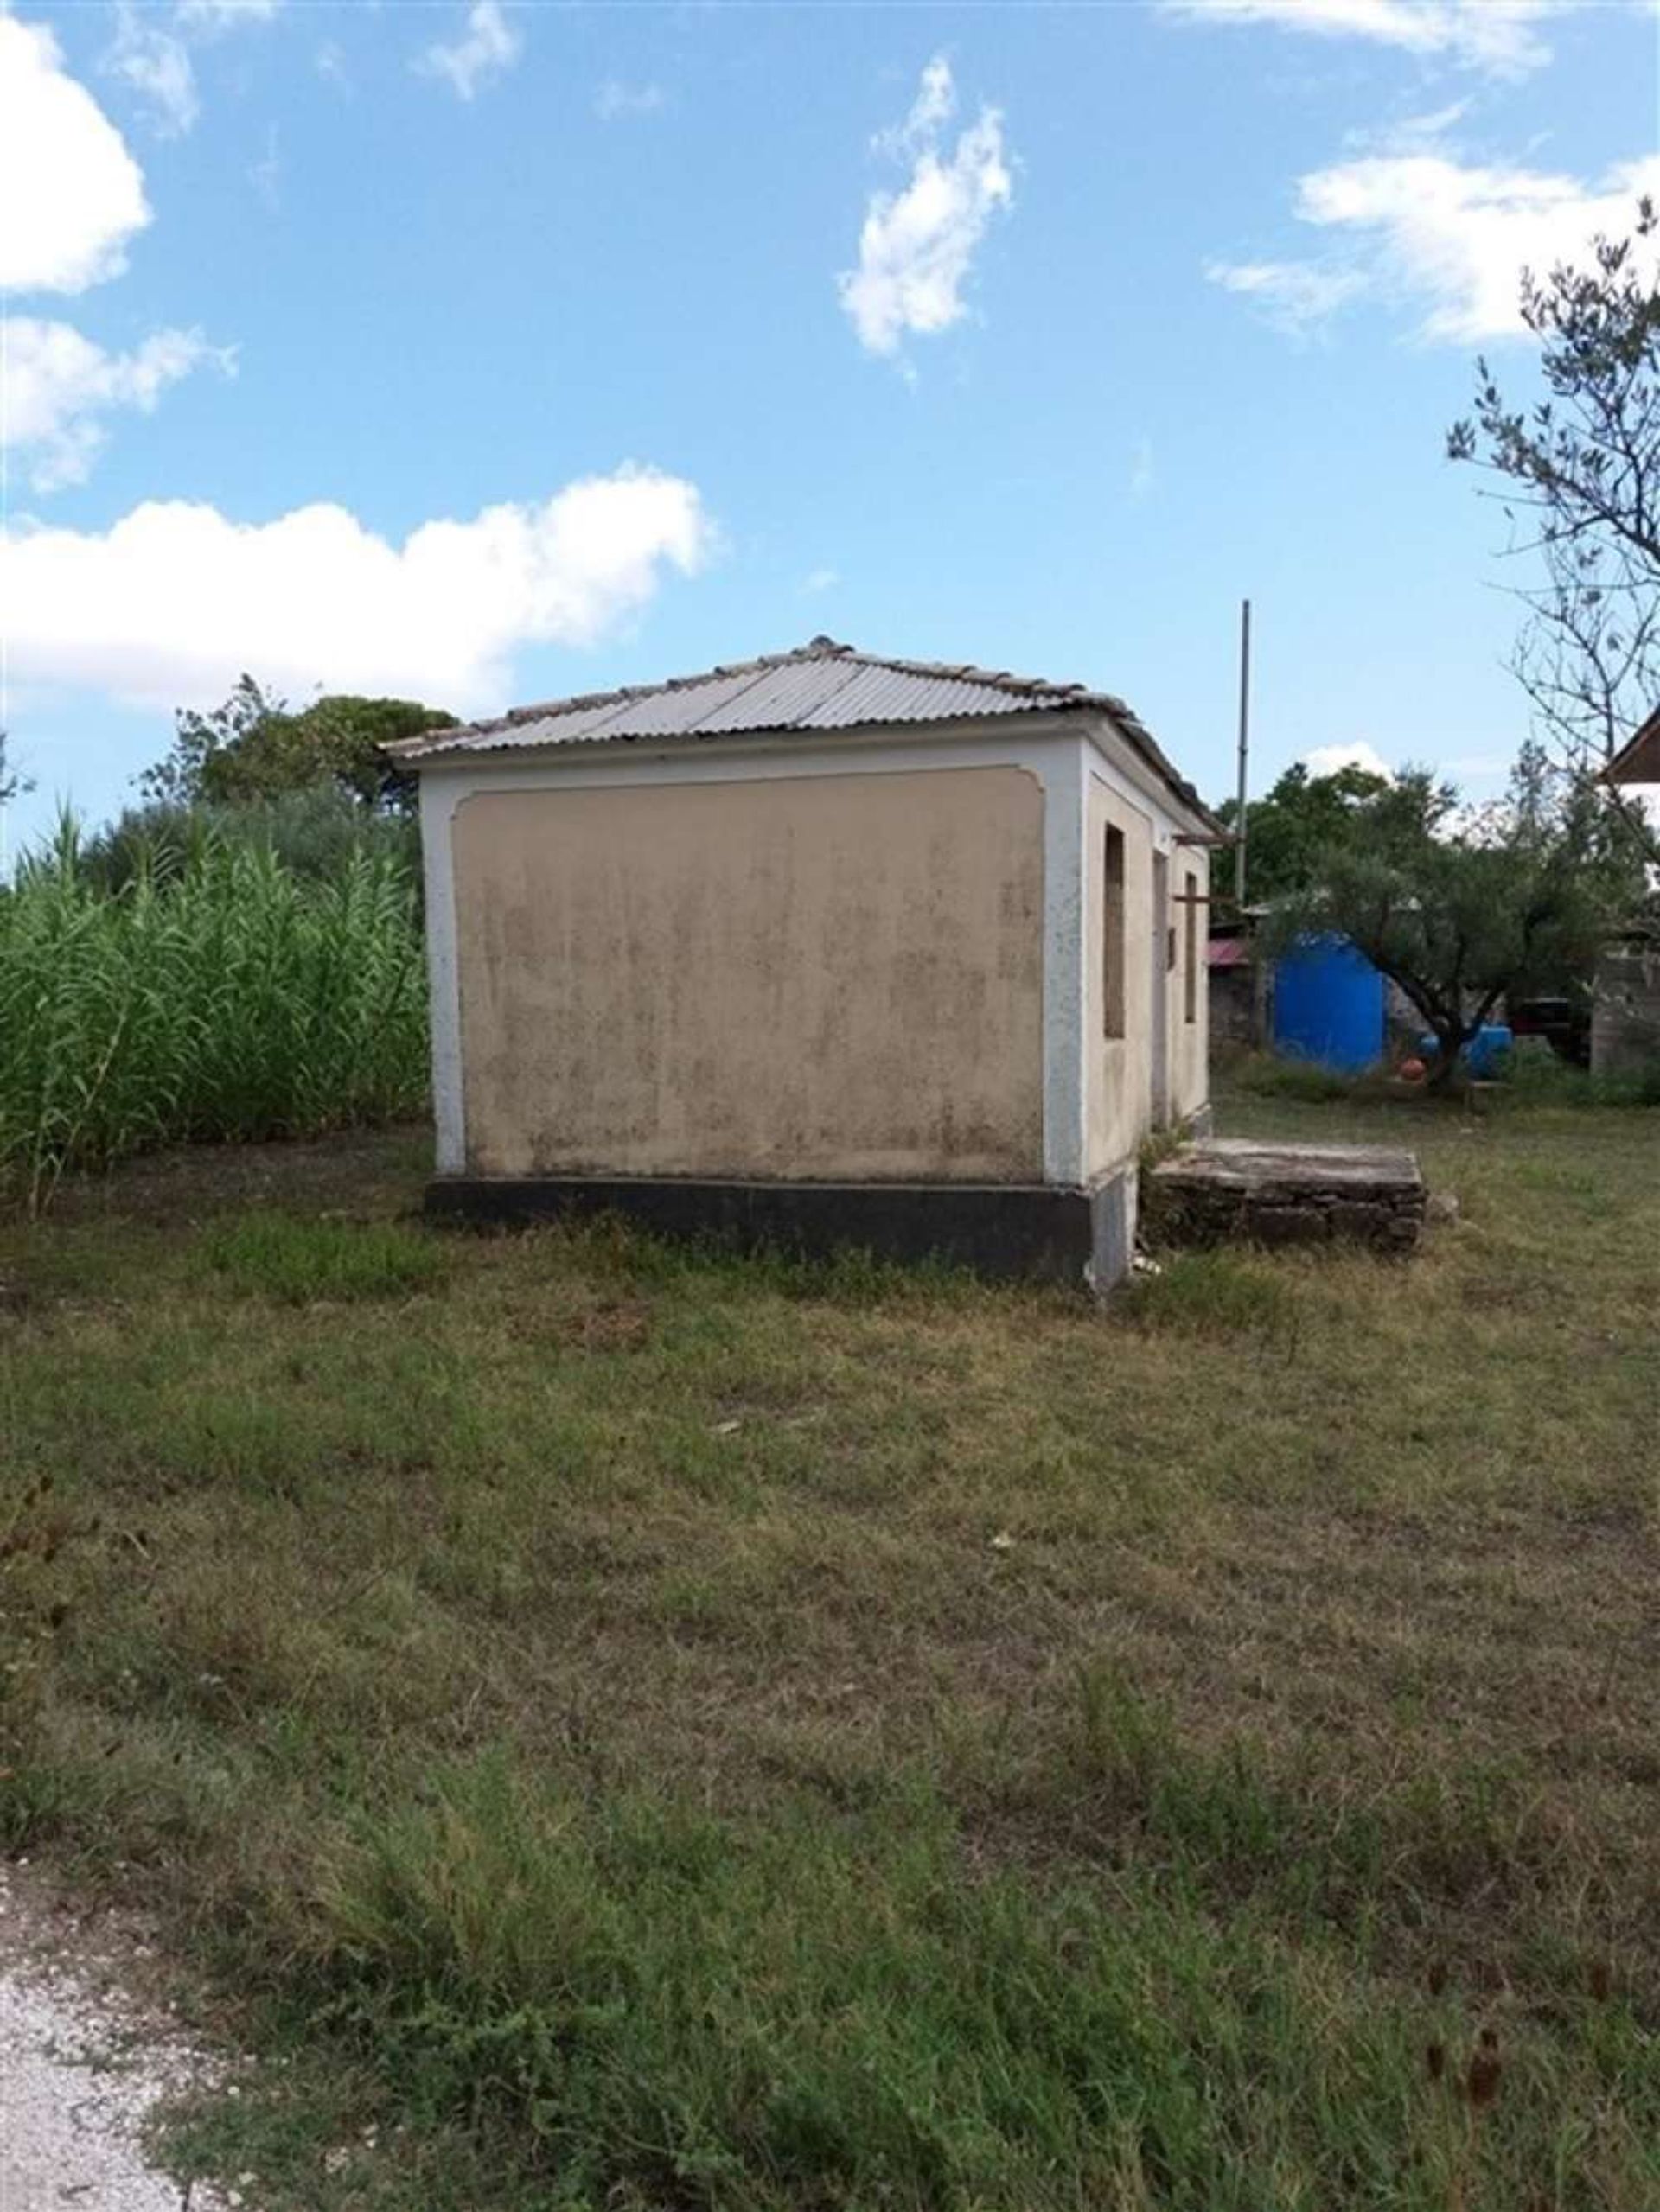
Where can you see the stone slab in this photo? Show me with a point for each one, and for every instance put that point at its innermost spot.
(1236, 1190)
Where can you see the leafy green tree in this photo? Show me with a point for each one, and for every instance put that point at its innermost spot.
(199, 739)
(1300, 819)
(255, 747)
(1463, 908)
(1579, 473)
(315, 833)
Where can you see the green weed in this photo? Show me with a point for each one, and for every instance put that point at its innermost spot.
(278, 1256)
(647, 2003)
(1211, 1293)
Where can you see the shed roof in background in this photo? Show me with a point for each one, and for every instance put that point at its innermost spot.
(818, 689)
(1638, 760)
(1229, 953)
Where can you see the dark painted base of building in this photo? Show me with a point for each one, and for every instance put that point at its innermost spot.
(1035, 1231)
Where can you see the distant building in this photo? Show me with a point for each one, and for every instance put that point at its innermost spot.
(823, 947)
(1236, 985)
(1638, 760)
(1625, 1004)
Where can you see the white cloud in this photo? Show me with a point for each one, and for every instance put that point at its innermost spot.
(615, 101)
(1426, 231)
(817, 580)
(172, 602)
(916, 246)
(1144, 470)
(73, 194)
(150, 51)
(156, 63)
(59, 386)
(487, 48)
(222, 14)
(1499, 37)
(932, 109)
(1327, 760)
(266, 175)
(1296, 295)
(331, 65)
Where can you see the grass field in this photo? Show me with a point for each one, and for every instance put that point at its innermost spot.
(617, 1728)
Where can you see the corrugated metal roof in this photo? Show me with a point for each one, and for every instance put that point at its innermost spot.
(823, 686)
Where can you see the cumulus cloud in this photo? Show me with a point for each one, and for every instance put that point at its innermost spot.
(173, 601)
(1438, 236)
(1327, 760)
(73, 192)
(58, 387)
(489, 46)
(918, 245)
(1498, 37)
(615, 101)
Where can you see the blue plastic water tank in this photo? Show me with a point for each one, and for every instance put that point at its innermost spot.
(1328, 1005)
(1485, 1053)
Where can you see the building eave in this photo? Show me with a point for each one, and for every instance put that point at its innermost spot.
(1638, 760)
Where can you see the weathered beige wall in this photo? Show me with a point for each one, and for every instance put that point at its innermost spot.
(797, 977)
(1118, 1071)
(1190, 1042)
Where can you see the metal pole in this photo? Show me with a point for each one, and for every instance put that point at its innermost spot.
(1244, 746)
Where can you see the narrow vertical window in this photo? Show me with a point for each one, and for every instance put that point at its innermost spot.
(1112, 935)
(1190, 941)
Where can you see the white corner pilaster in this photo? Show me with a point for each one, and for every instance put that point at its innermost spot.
(1065, 818)
(441, 791)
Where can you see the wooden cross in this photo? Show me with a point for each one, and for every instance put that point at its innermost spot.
(1190, 898)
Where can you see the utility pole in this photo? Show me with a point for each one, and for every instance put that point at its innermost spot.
(1244, 747)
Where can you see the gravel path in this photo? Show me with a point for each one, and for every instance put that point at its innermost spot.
(83, 2063)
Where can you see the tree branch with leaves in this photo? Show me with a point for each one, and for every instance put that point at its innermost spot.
(1579, 472)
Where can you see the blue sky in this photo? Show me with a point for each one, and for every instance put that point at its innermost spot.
(483, 353)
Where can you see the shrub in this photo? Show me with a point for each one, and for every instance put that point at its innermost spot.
(1266, 1075)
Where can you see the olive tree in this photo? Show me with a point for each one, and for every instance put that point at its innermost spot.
(1463, 907)
(1579, 473)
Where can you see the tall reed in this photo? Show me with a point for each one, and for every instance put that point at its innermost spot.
(216, 996)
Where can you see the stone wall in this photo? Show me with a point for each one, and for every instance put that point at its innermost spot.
(1626, 1011)
(1232, 1190)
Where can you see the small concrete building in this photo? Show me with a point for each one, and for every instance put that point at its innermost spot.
(820, 948)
